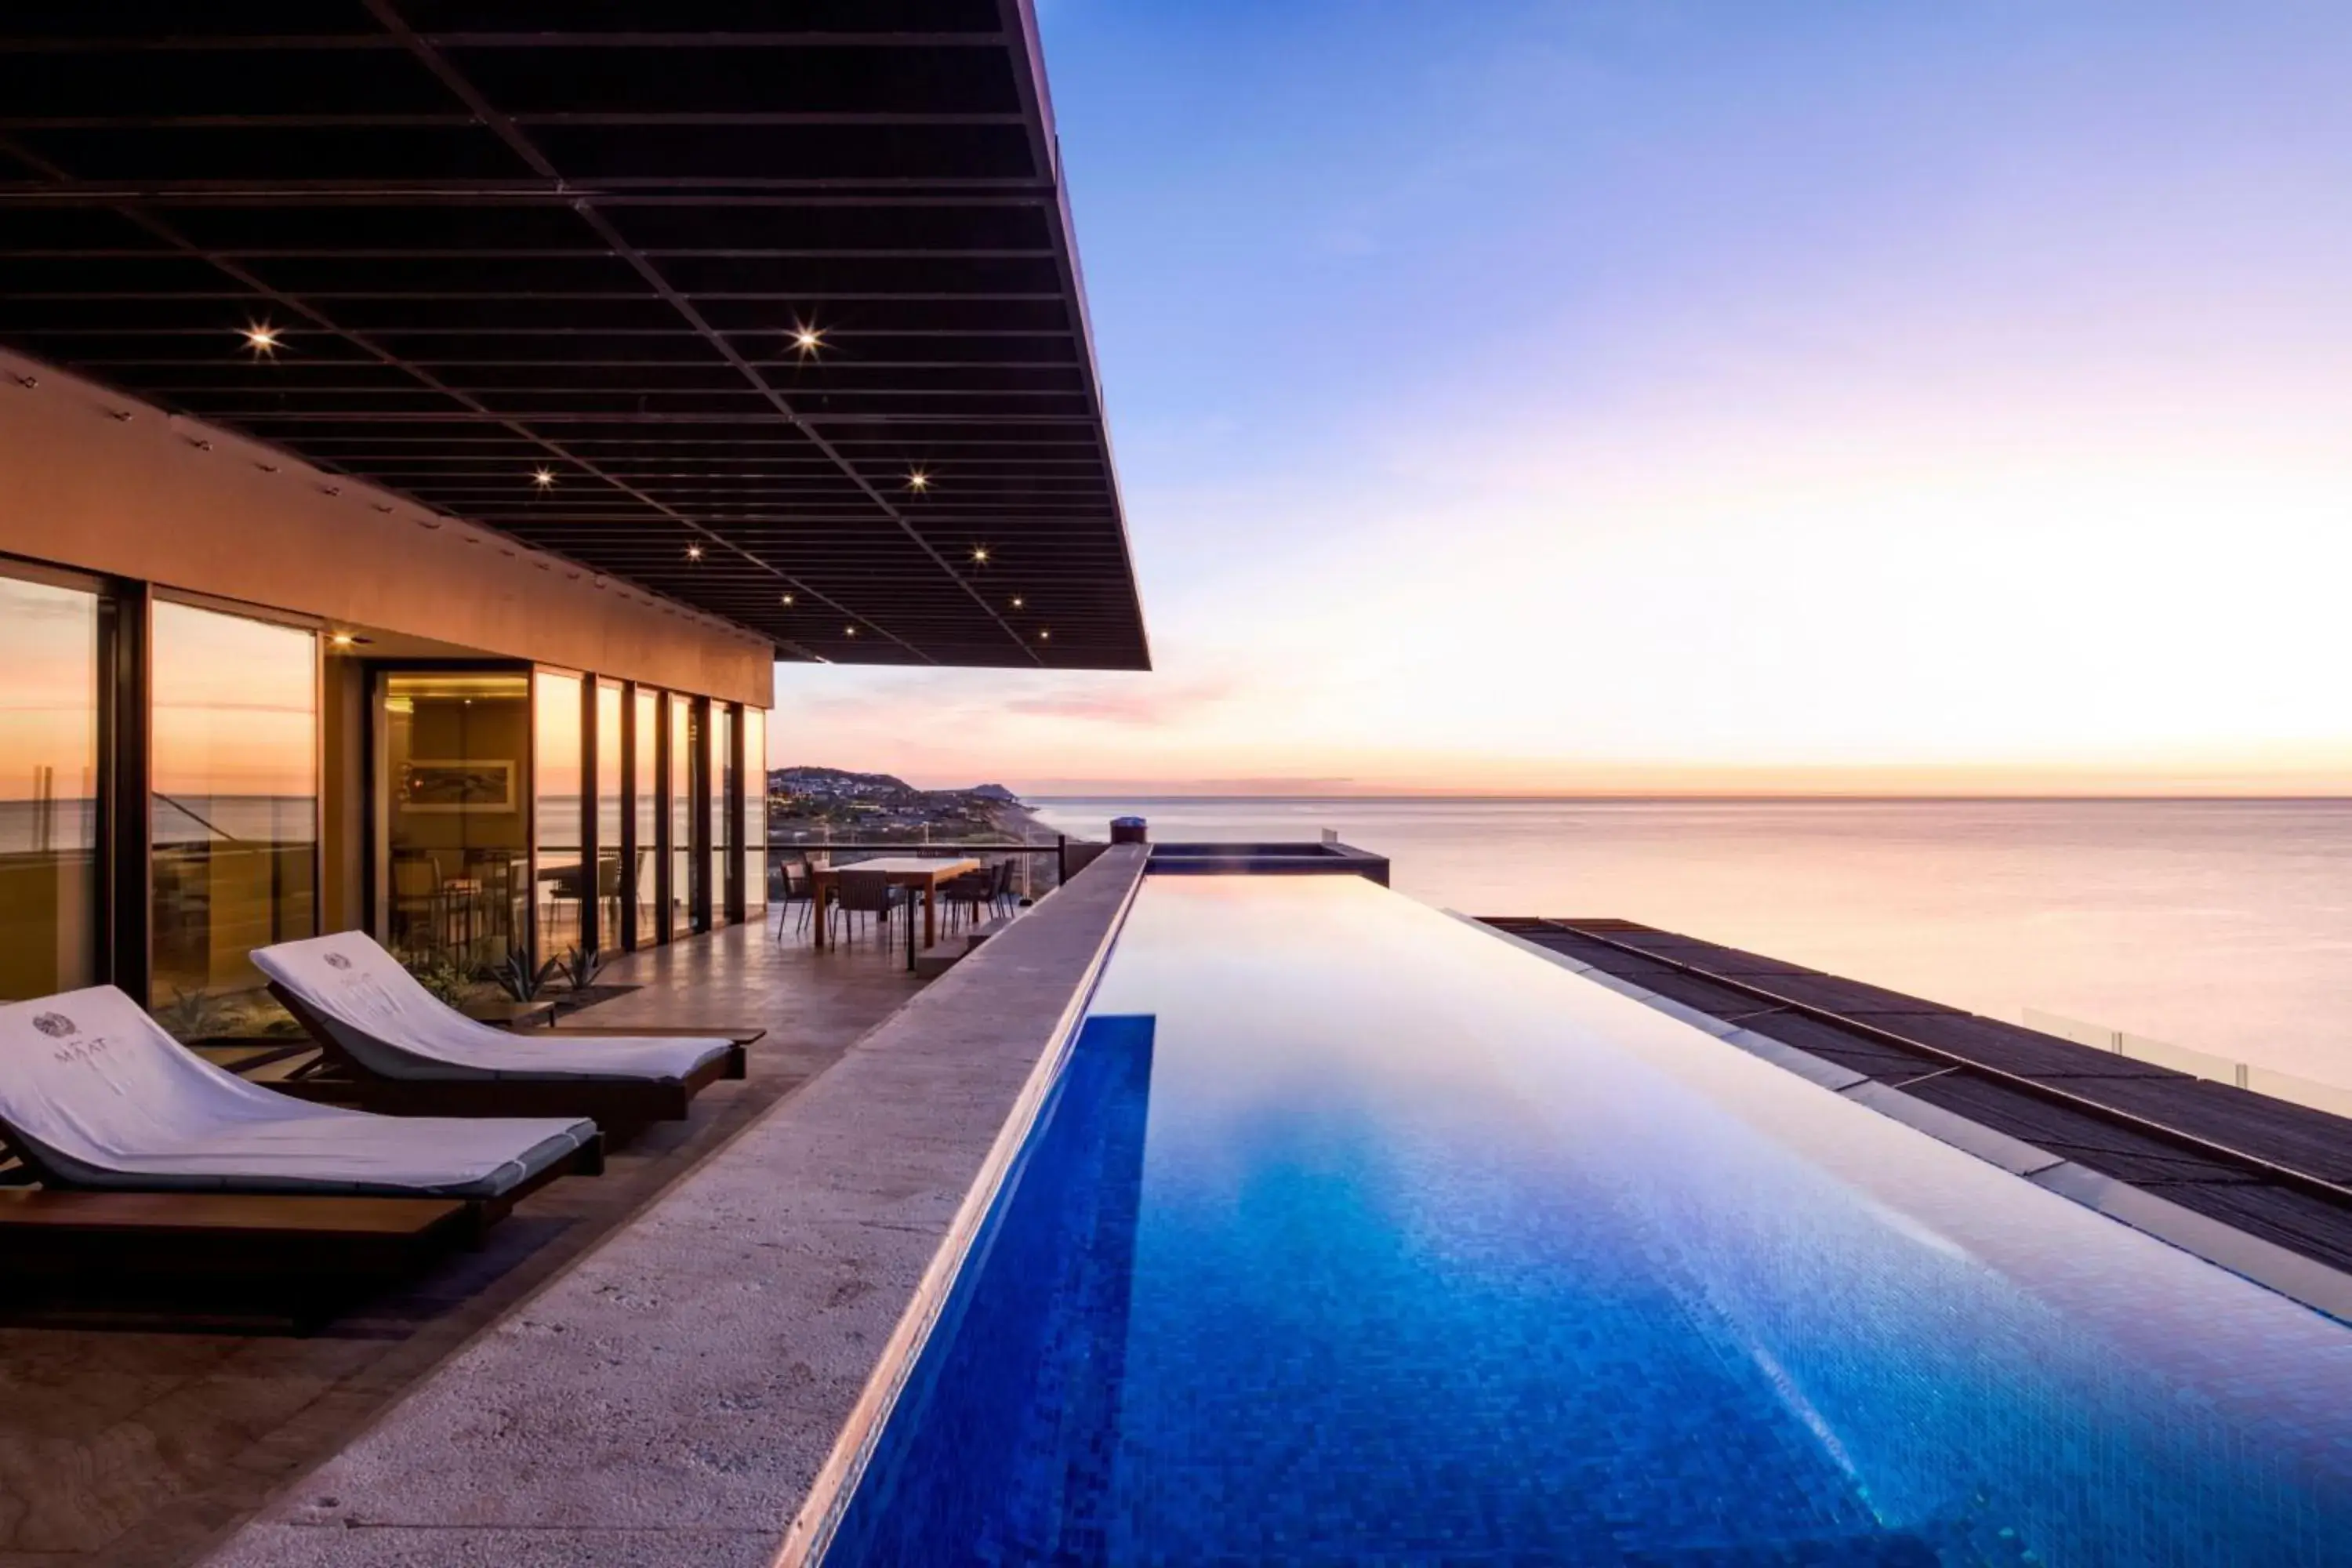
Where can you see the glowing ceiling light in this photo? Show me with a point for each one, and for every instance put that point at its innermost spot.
(544, 477)
(343, 639)
(849, 631)
(1017, 603)
(788, 601)
(261, 337)
(694, 553)
(980, 553)
(1045, 637)
(808, 340)
(919, 482)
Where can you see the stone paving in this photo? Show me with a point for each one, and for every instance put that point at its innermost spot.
(672, 1397)
(129, 1449)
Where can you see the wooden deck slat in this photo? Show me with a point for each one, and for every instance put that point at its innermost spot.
(2015, 1048)
(1850, 997)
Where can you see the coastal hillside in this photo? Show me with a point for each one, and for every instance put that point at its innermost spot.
(809, 803)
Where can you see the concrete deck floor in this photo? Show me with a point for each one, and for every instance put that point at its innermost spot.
(140, 1449)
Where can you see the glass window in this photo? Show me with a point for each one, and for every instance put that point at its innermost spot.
(682, 781)
(755, 811)
(457, 871)
(723, 840)
(609, 773)
(48, 789)
(555, 787)
(236, 808)
(646, 768)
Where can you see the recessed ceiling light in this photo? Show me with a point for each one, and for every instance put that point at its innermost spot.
(980, 553)
(807, 339)
(1045, 637)
(343, 639)
(261, 337)
(544, 477)
(919, 482)
(1017, 603)
(694, 553)
(849, 631)
(788, 601)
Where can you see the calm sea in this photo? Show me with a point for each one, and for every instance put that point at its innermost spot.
(2221, 925)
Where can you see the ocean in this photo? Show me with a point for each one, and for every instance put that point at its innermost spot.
(2224, 926)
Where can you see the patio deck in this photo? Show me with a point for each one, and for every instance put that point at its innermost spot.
(132, 1448)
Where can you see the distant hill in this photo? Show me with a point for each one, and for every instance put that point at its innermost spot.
(842, 782)
(815, 802)
(835, 781)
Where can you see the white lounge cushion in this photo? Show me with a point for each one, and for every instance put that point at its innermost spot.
(395, 1029)
(98, 1093)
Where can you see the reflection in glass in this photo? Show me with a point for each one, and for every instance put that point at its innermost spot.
(609, 773)
(48, 789)
(235, 803)
(646, 768)
(721, 774)
(682, 781)
(755, 812)
(555, 775)
(457, 879)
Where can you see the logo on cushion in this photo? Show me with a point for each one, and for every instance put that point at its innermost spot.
(57, 1026)
(337, 960)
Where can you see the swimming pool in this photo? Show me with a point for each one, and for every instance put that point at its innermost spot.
(1349, 1233)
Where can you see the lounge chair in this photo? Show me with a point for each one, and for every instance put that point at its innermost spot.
(94, 1095)
(387, 1043)
(188, 1187)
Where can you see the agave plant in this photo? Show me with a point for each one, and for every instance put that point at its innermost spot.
(439, 974)
(515, 975)
(580, 966)
(192, 1015)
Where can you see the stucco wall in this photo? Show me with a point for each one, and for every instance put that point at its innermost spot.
(81, 486)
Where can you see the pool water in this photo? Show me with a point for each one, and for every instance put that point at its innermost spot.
(1352, 1234)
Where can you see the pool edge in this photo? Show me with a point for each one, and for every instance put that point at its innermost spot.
(2305, 1281)
(811, 1532)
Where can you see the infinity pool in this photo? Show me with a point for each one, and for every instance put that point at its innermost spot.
(1353, 1234)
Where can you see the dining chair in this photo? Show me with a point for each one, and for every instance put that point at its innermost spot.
(968, 894)
(793, 886)
(415, 899)
(867, 893)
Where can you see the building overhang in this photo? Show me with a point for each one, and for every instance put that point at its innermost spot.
(784, 324)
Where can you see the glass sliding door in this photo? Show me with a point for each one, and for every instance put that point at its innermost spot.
(683, 778)
(755, 813)
(644, 767)
(558, 883)
(48, 789)
(454, 881)
(235, 727)
(722, 779)
(610, 771)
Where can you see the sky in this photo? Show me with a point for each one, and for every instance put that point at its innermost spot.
(1626, 395)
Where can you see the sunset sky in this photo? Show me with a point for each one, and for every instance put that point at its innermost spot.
(1630, 395)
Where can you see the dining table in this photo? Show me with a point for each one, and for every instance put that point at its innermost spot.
(908, 871)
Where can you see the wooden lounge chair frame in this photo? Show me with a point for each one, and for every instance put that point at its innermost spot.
(622, 1108)
(284, 1258)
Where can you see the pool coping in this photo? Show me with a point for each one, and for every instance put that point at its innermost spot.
(681, 1392)
(2303, 1280)
(813, 1528)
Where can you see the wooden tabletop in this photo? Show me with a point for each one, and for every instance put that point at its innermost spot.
(905, 866)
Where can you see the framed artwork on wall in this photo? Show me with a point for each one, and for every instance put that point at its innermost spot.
(451, 786)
